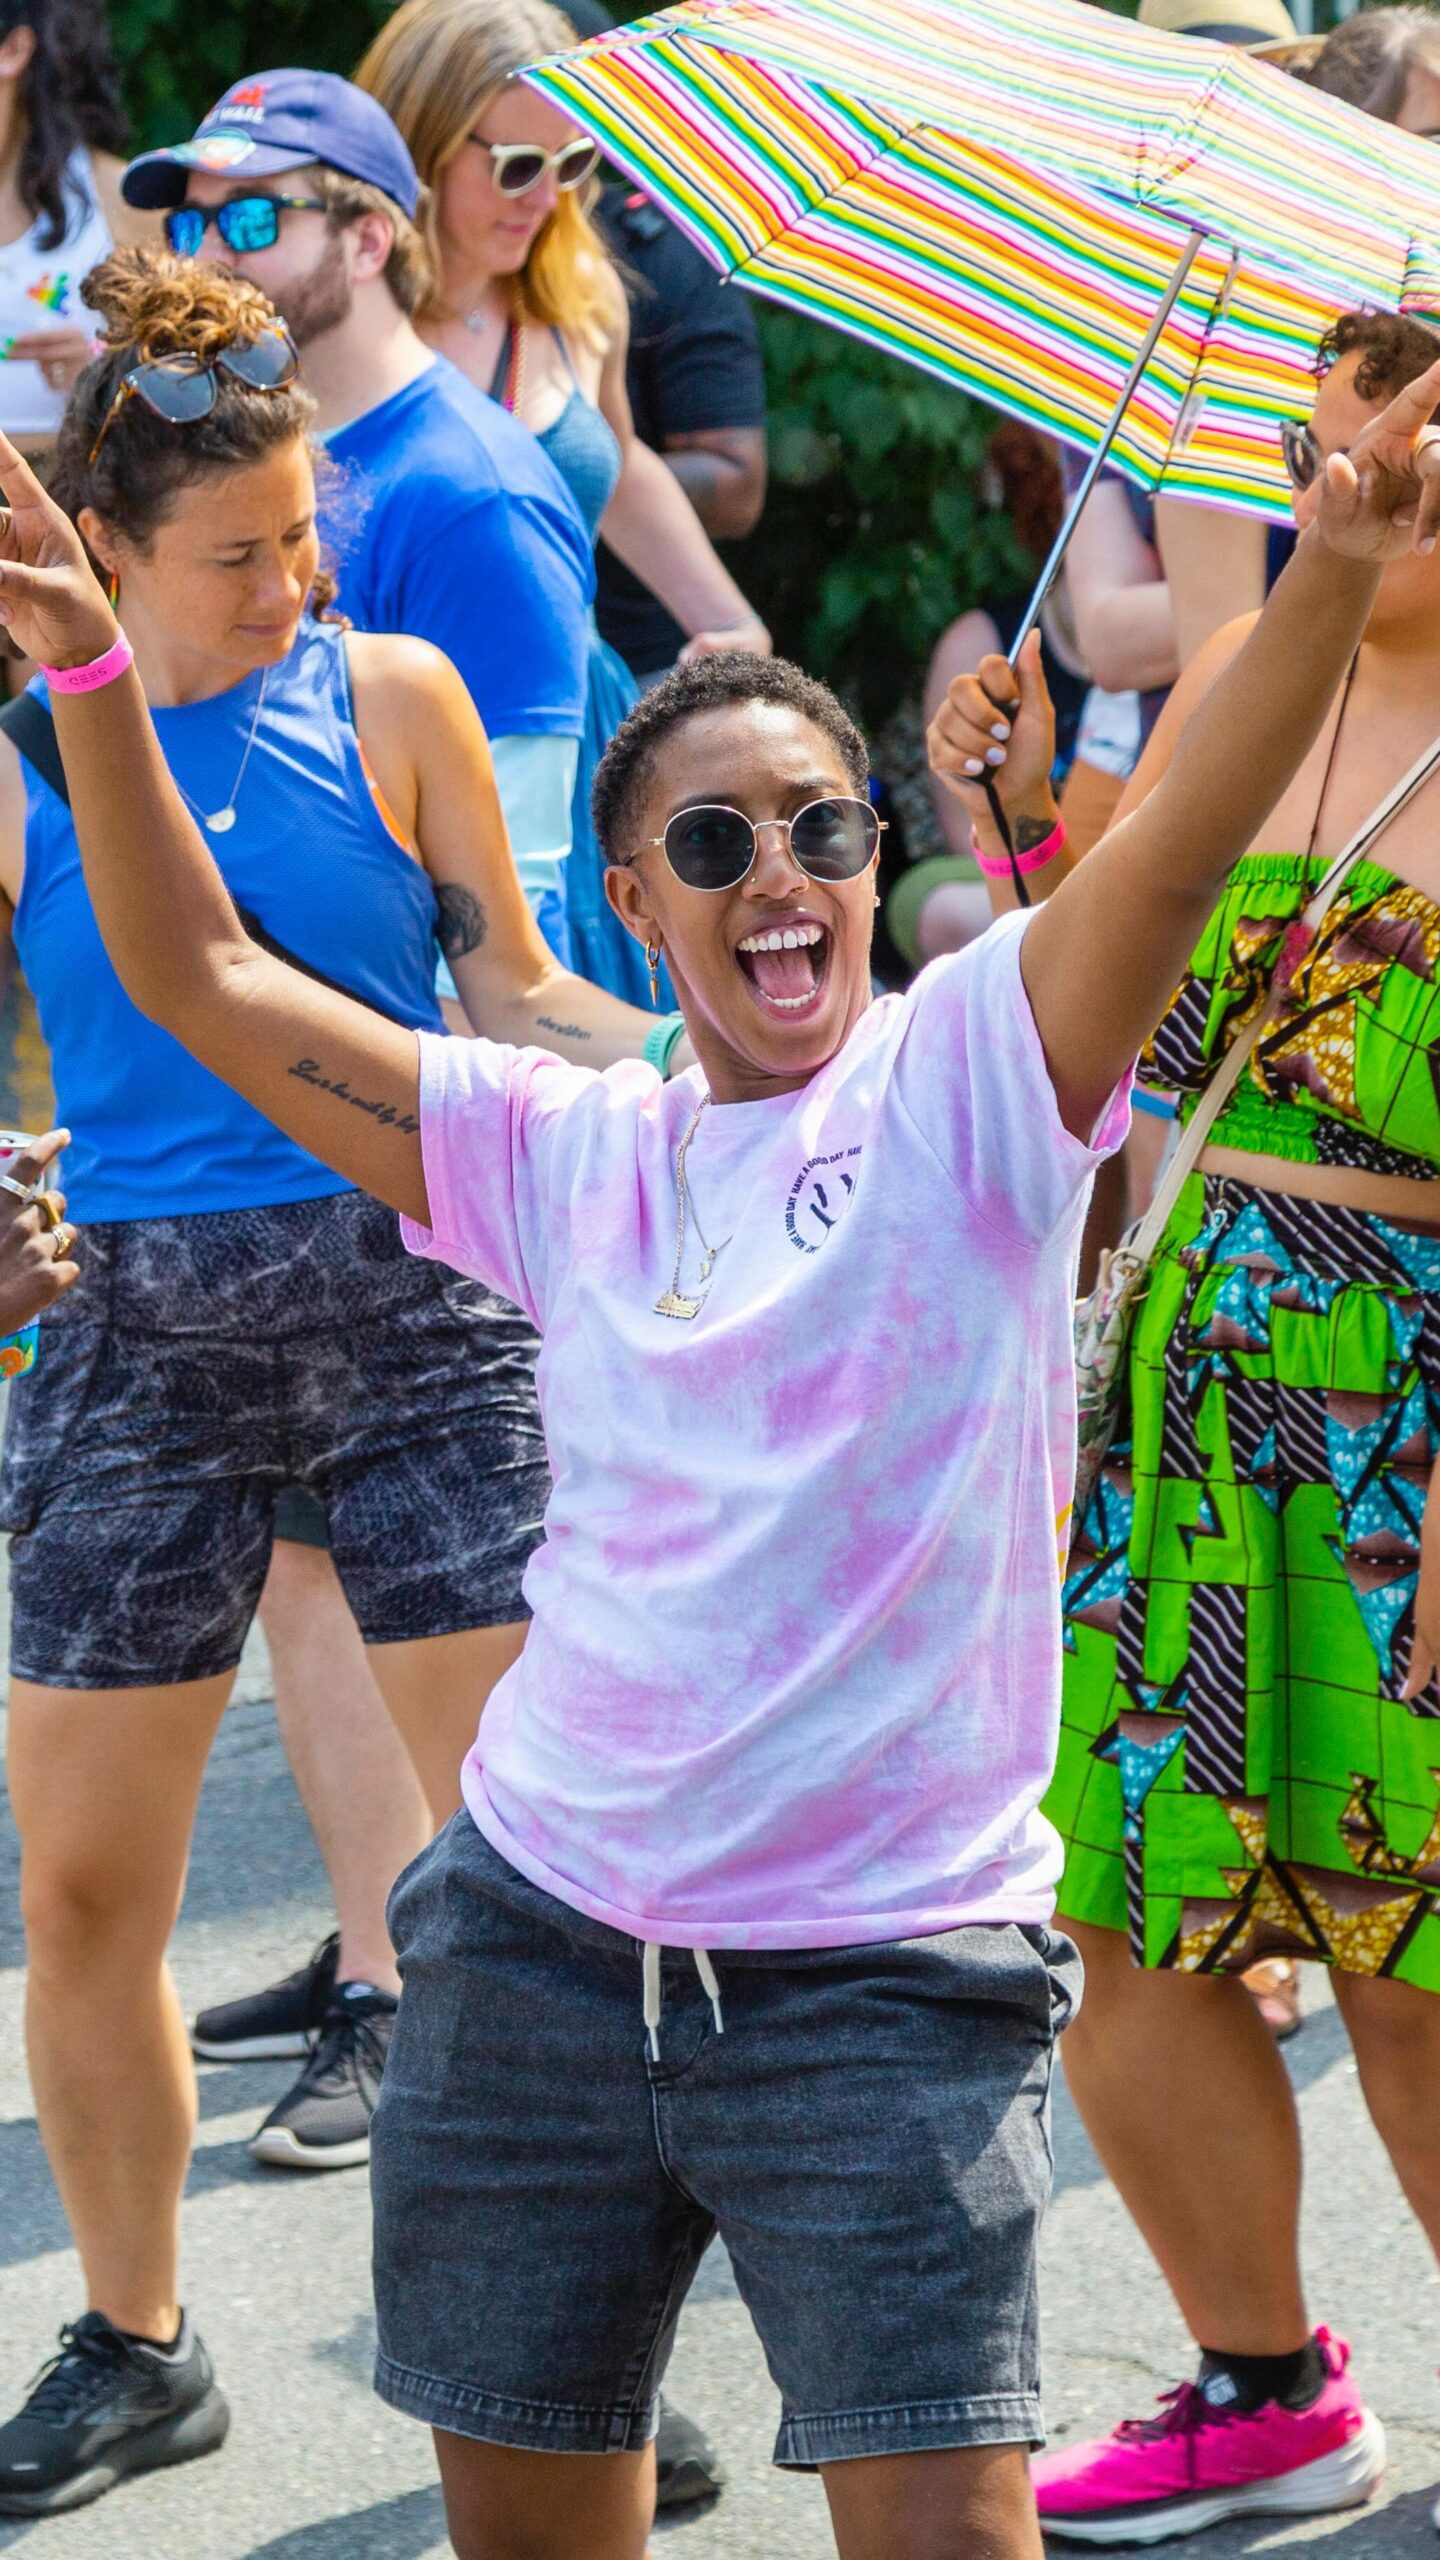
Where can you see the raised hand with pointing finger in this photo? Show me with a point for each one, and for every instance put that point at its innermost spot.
(1103, 954)
(51, 602)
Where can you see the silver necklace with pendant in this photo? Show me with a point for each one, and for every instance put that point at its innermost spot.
(674, 1301)
(219, 822)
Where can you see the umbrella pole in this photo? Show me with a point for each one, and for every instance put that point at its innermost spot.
(1098, 458)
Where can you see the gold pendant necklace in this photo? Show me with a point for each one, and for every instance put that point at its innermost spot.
(674, 1301)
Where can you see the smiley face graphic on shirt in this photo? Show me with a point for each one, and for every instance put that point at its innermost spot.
(819, 1197)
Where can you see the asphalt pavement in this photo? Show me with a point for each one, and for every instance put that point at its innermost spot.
(276, 2274)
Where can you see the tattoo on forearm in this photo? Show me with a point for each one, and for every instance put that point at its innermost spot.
(462, 924)
(385, 1115)
(1032, 831)
(562, 1030)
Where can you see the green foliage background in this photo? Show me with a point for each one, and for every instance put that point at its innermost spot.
(875, 534)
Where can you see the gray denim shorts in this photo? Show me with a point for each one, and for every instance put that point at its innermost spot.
(869, 2135)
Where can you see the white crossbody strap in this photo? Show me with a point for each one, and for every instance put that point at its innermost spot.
(1217, 1093)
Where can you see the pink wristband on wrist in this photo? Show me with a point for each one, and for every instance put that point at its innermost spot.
(1002, 867)
(89, 678)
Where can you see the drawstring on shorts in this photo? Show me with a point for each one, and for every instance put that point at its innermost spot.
(650, 1990)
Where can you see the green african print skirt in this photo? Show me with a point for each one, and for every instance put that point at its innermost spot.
(1238, 1774)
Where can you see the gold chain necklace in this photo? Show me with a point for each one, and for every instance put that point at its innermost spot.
(674, 1302)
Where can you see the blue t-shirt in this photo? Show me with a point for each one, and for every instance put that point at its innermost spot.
(446, 520)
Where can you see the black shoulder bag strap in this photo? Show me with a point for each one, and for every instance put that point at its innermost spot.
(30, 728)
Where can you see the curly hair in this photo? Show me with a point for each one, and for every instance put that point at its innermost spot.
(69, 101)
(152, 304)
(1368, 59)
(1393, 349)
(709, 684)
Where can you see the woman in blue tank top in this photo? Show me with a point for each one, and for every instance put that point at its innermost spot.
(530, 305)
(246, 1319)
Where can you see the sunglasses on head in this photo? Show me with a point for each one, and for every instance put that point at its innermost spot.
(516, 167)
(1303, 453)
(714, 847)
(243, 222)
(181, 388)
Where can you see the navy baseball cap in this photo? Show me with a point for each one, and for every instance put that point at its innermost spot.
(281, 120)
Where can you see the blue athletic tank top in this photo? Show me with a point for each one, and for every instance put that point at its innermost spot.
(316, 864)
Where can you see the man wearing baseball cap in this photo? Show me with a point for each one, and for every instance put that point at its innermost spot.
(446, 520)
(1261, 26)
(449, 522)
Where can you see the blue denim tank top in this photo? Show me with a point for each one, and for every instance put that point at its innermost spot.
(312, 859)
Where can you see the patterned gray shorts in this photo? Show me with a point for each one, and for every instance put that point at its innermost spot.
(203, 1364)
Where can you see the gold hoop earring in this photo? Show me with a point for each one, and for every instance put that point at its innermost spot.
(652, 963)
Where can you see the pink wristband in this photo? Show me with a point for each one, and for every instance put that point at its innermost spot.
(1001, 867)
(89, 679)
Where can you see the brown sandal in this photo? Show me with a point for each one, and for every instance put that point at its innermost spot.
(1274, 1986)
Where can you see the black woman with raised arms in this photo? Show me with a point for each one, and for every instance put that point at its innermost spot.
(746, 1921)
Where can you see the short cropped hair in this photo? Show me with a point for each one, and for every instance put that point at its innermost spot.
(709, 684)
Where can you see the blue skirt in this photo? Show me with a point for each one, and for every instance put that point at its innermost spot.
(600, 947)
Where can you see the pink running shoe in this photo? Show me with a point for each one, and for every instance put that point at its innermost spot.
(1156, 2478)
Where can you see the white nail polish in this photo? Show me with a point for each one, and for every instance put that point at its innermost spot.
(974, 764)
(994, 755)
(1000, 730)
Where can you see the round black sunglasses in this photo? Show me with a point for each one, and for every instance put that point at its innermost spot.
(713, 847)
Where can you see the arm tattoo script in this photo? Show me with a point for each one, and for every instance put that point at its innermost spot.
(384, 1114)
(563, 1030)
(461, 924)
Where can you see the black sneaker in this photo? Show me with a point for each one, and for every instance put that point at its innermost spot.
(687, 2468)
(324, 2121)
(106, 2406)
(277, 2025)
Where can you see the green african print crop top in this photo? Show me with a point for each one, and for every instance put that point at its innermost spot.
(1350, 1071)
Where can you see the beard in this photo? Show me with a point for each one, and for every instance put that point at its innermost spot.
(320, 301)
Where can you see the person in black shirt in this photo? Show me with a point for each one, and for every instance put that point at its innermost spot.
(697, 395)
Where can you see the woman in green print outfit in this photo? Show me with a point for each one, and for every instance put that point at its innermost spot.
(1250, 1757)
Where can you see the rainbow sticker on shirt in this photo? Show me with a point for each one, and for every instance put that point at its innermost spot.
(51, 292)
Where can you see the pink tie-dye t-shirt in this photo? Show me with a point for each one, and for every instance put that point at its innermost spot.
(794, 1669)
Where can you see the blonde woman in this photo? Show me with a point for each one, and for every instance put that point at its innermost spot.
(528, 303)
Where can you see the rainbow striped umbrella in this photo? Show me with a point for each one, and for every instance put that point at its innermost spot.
(1132, 239)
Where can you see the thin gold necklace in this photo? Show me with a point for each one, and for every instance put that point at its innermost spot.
(674, 1301)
